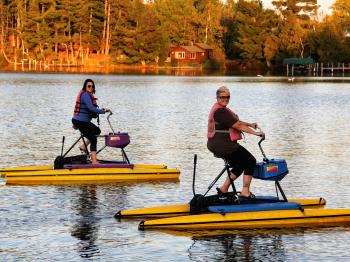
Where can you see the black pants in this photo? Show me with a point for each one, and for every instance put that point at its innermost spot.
(89, 130)
(241, 160)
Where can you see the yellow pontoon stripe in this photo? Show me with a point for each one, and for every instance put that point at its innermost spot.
(86, 174)
(250, 220)
(184, 209)
(50, 167)
(212, 223)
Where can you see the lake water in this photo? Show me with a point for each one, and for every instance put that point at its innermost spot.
(306, 122)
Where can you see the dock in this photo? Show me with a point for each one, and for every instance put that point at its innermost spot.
(316, 69)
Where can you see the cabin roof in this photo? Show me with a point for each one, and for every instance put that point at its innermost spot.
(192, 48)
(203, 46)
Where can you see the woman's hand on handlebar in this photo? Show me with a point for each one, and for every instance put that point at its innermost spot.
(107, 110)
(253, 125)
(261, 134)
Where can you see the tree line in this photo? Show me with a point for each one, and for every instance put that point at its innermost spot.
(142, 32)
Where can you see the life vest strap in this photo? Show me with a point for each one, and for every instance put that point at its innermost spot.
(222, 131)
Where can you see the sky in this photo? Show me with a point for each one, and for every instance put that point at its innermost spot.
(325, 4)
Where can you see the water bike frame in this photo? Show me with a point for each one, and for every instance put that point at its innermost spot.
(269, 169)
(112, 139)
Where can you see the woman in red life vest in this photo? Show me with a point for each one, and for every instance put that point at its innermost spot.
(224, 130)
(85, 109)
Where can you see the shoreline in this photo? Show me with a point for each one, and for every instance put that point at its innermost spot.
(228, 67)
(139, 70)
(171, 71)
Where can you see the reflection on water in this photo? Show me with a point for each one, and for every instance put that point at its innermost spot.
(306, 122)
(173, 71)
(257, 245)
(86, 228)
(185, 71)
(238, 248)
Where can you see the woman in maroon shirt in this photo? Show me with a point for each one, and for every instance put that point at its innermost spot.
(224, 129)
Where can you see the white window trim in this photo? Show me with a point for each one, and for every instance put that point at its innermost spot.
(180, 55)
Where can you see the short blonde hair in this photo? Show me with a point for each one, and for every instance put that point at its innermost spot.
(222, 89)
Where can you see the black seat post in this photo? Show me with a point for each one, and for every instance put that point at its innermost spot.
(81, 137)
(227, 166)
(278, 186)
(125, 157)
(215, 180)
(85, 145)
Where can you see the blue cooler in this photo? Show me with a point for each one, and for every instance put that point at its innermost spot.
(272, 169)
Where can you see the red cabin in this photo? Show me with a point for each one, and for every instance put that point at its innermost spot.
(191, 54)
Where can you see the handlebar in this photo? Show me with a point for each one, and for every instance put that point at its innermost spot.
(109, 122)
(259, 143)
(262, 136)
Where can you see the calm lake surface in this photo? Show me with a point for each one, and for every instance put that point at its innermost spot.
(306, 122)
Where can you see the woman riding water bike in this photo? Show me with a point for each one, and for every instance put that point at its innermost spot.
(84, 111)
(224, 130)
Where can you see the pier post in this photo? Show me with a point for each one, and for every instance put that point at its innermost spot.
(332, 69)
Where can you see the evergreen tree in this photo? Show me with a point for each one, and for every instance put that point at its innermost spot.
(230, 31)
(256, 27)
(70, 13)
(328, 43)
(303, 9)
(341, 14)
(96, 22)
(120, 29)
(298, 21)
(292, 38)
(142, 39)
(177, 19)
(31, 28)
(208, 22)
(54, 18)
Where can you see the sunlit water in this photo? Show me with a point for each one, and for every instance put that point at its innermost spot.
(306, 123)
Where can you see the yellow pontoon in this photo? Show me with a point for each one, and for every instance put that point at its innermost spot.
(48, 175)
(184, 209)
(254, 220)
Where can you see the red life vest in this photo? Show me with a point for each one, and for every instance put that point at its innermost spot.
(234, 133)
(78, 103)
